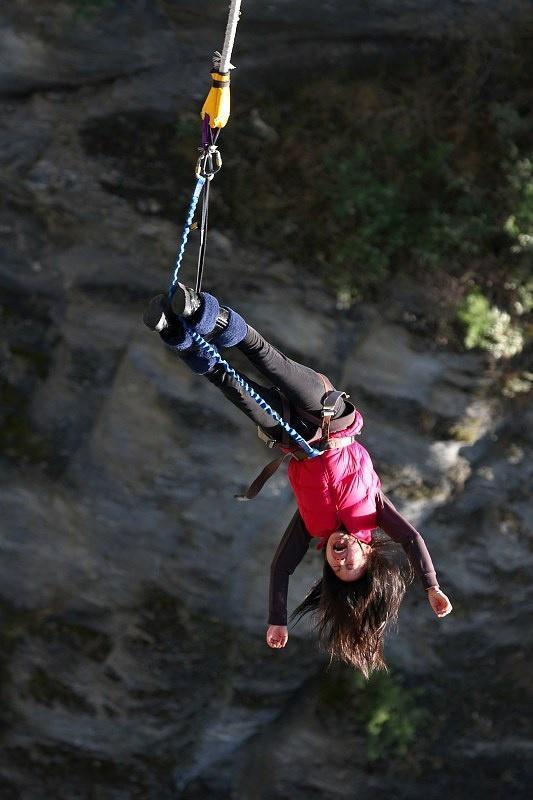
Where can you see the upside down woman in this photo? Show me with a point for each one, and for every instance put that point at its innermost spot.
(340, 502)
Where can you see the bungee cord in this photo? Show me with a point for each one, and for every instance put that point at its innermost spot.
(229, 39)
(215, 114)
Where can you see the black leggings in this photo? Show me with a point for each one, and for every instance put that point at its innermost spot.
(303, 387)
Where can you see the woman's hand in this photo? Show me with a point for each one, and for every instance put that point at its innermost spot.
(277, 636)
(439, 602)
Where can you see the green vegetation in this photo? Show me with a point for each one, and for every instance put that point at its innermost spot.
(515, 384)
(389, 713)
(88, 8)
(519, 224)
(421, 169)
(413, 171)
(359, 213)
(488, 327)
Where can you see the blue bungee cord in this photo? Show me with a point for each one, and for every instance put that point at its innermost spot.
(212, 352)
(215, 114)
(186, 230)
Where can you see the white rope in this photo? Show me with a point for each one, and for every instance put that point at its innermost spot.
(229, 39)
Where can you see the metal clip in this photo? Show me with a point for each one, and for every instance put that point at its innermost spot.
(329, 405)
(270, 443)
(209, 162)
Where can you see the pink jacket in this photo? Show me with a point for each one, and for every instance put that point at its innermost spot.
(337, 488)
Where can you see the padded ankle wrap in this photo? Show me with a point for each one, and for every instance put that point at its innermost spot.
(199, 362)
(204, 320)
(234, 333)
(176, 336)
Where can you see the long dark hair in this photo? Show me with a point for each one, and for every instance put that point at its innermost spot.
(352, 617)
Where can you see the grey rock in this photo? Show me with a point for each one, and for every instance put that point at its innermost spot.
(133, 586)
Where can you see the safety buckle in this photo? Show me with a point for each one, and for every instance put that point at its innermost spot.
(329, 405)
(270, 443)
(209, 162)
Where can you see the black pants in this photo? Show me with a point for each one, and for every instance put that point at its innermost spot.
(302, 386)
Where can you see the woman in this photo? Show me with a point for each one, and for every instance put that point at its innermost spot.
(340, 502)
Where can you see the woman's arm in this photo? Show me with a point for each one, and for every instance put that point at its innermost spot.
(291, 549)
(401, 531)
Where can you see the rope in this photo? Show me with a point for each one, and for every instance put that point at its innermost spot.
(209, 152)
(229, 39)
(208, 164)
(187, 228)
(203, 237)
(212, 352)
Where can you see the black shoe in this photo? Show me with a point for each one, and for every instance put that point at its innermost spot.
(185, 301)
(158, 316)
(205, 313)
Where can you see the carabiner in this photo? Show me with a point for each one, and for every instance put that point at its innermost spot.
(209, 162)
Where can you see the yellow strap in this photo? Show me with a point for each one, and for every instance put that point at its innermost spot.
(217, 103)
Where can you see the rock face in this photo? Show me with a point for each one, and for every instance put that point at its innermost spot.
(42, 46)
(133, 587)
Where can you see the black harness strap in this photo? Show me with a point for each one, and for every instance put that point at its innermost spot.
(330, 406)
(203, 236)
(325, 425)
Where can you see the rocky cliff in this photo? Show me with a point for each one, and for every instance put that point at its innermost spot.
(133, 587)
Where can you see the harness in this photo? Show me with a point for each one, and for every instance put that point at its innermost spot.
(321, 439)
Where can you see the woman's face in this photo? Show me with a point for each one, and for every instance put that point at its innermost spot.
(347, 556)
